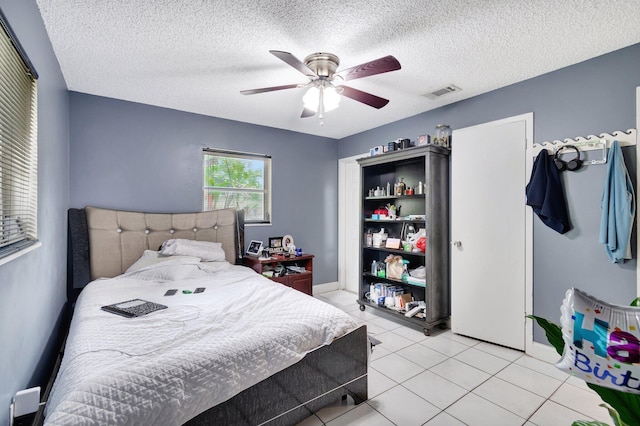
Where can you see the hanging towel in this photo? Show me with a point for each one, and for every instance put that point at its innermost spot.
(545, 194)
(618, 207)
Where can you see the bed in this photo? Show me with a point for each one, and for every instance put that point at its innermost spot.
(246, 350)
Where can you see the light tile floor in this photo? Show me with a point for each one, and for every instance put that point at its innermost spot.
(448, 379)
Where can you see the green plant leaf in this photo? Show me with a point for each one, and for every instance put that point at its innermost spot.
(615, 416)
(553, 331)
(627, 405)
(588, 423)
(636, 302)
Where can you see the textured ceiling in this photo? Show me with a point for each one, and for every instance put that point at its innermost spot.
(196, 55)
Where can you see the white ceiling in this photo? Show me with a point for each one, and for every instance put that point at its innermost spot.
(196, 55)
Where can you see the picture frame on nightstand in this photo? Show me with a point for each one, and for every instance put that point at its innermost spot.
(255, 248)
(275, 245)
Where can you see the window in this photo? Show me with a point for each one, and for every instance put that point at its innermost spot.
(238, 180)
(18, 146)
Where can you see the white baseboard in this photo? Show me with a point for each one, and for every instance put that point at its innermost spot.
(324, 288)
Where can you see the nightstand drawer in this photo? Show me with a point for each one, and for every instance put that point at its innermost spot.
(302, 281)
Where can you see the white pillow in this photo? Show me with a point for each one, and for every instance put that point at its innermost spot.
(168, 271)
(150, 257)
(207, 251)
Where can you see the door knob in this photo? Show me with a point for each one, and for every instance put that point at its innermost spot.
(457, 243)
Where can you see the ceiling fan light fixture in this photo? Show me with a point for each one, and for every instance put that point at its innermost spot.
(331, 98)
(329, 95)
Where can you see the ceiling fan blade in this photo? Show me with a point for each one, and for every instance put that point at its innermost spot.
(379, 66)
(268, 89)
(364, 97)
(294, 62)
(306, 112)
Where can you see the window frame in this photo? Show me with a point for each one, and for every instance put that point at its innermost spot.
(18, 149)
(266, 185)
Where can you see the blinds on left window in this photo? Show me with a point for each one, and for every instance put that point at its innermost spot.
(18, 146)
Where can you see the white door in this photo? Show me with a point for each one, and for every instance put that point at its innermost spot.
(349, 240)
(488, 179)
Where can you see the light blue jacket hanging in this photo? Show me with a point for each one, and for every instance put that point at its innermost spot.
(618, 207)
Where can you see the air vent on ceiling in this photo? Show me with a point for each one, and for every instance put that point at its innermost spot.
(441, 92)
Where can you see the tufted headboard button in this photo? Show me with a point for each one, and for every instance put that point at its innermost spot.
(195, 229)
(171, 231)
(146, 231)
(119, 230)
(215, 227)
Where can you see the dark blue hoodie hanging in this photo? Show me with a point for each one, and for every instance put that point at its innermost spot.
(545, 194)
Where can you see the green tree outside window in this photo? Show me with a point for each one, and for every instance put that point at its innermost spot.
(240, 181)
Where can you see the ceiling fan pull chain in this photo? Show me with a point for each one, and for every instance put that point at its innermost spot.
(321, 104)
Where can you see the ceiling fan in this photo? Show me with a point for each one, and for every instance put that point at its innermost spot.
(324, 88)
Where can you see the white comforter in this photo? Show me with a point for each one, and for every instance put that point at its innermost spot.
(171, 365)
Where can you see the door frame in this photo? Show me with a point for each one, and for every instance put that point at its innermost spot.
(637, 222)
(342, 212)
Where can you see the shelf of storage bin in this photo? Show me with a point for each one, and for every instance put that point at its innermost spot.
(395, 251)
(395, 197)
(393, 280)
(415, 319)
(384, 221)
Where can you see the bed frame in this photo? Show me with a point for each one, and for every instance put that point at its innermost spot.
(286, 398)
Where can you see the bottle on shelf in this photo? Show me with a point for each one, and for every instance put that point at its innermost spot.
(443, 135)
(400, 187)
(389, 194)
(382, 271)
(368, 239)
(405, 271)
(384, 235)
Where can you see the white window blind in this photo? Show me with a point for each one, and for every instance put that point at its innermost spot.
(18, 146)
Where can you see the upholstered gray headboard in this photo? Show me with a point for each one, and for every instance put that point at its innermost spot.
(104, 242)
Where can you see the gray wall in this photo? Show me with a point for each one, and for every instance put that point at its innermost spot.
(131, 156)
(588, 98)
(33, 286)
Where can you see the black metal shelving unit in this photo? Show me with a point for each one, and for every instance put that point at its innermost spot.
(429, 211)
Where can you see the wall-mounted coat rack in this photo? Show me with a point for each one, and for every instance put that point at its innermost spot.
(590, 143)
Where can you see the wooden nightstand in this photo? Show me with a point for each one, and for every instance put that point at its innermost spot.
(300, 281)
